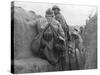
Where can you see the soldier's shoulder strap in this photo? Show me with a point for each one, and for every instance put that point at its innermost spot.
(47, 26)
(52, 28)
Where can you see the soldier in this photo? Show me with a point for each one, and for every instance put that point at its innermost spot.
(48, 38)
(62, 21)
(78, 40)
(78, 47)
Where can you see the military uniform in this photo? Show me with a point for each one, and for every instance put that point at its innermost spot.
(78, 40)
(57, 27)
(62, 21)
(49, 29)
(65, 27)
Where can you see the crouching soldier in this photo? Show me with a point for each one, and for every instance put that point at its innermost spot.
(52, 28)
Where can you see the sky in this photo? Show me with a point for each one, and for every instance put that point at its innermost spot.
(73, 14)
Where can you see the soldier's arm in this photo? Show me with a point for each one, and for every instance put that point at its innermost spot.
(60, 30)
(65, 27)
(62, 20)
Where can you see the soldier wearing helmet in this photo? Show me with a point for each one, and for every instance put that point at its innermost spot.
(77, 39)
(47, 35)
(56, 9)
(62, 21)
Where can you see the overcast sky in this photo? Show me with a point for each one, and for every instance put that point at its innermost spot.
(74, 14)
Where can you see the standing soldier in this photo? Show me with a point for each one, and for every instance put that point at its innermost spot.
(78, 47)
(62, 21)
(64, 25)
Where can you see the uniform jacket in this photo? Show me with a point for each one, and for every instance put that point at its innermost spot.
(63, 23)
(57, 27)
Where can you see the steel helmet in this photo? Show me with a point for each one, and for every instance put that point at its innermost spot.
(55, 7)
(49, 12)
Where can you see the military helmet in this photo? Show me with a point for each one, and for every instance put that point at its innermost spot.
(55, 7)
(49, 12)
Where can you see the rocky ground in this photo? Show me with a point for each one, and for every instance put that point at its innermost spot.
(31, 65)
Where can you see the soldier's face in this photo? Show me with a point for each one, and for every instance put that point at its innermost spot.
(56, 11)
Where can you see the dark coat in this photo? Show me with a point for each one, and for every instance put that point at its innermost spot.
(64, 25)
